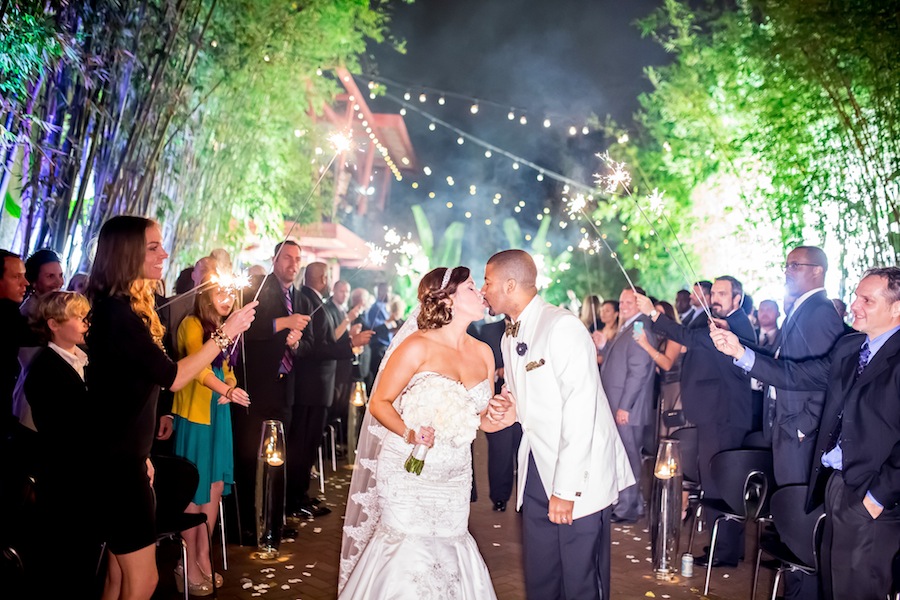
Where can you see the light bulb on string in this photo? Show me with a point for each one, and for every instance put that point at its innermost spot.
(402, 112)
(523, 120)
(540, 177)
(547, 123)
(573, 130)
(515, 166)
(441, 100)
(460, 140)
(488, 154)
(427, 170)
(407, 96)
(585, 130)
(432, 126)
(422, 98)
(511, 116)
(474, 109)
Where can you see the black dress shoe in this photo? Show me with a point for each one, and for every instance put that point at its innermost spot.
(703, 560)
(623, 520)
(500, 506)
(306, 512)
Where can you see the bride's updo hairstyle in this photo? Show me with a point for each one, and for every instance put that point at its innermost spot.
(435, 290)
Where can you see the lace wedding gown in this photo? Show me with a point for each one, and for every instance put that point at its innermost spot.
(421, 548)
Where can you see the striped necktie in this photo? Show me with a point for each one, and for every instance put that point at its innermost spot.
(287, 360)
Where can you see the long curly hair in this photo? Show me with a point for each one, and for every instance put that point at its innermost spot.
(118, 270)
(437, 306)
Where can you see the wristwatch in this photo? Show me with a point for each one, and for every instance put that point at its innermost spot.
(654, 313)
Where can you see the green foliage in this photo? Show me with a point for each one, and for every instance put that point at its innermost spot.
(794, 103)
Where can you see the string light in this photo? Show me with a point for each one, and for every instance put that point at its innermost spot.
(474, 109)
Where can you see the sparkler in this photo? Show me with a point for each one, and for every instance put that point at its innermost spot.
(620, 176)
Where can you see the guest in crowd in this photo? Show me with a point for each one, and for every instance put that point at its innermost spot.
(503, 445)
(318, 353)
(768, 339)
(715, 398)
(44, 273)
(855, 470)
(203, 427)
(378, 314)
(343, 318)
(363, 370)
(682, 303)
(78, 283)
(16, 334)
(627, 376)
(700, 301)
(57, 395)
(267, 374)
(590, 313)
(667, 356)
(127, 368)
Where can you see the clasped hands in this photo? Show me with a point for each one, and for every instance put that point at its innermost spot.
(502, 408)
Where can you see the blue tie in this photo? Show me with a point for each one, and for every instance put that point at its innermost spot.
(864, 355)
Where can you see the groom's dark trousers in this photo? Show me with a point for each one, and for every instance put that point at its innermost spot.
(563, 562)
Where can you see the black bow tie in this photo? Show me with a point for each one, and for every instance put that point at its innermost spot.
(512, 329)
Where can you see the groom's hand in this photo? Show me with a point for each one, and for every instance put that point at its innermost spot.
(560, 511)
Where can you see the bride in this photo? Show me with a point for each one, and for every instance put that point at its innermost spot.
(406, 534)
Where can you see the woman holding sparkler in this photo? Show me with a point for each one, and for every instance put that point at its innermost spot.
(128, 366)
(203, 428)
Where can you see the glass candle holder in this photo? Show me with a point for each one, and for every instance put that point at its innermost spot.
(665, 509)
(270, 489)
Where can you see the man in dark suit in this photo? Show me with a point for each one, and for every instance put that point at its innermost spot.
(715, 397)
(344, 326)
(627, 374)
(810, 330)
(767, 338)
(699, 301)
(317, 355)
(503, 445)
(856, 464)
(267, 373)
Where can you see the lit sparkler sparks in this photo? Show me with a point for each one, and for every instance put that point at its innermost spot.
(377, 255)
(340, 141)
(617, 177)
(656, 201)
(576, 205)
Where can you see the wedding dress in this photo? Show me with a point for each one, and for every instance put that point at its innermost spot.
(418, 543)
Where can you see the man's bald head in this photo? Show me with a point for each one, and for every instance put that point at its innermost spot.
(517, 265)
(316, 276)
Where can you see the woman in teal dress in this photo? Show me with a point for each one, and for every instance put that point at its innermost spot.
(203, 429)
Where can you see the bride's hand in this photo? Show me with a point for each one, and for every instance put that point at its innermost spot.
(425, 436)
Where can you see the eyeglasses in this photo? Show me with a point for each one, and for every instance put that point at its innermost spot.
(793, 266)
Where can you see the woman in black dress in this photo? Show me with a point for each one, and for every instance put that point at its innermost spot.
(127, 368)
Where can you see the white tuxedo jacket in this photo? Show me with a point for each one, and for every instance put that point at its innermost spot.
(566, 421)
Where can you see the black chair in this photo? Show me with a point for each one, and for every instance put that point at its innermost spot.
(794, 541)
(756, 439)
(743, 478)
(175, 482)
(690, 468)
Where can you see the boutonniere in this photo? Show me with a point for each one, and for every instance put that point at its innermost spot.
(534, 365)
(521, 348)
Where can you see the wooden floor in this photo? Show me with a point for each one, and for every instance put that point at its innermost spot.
(308, 566)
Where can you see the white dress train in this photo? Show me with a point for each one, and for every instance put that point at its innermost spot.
(421, 548)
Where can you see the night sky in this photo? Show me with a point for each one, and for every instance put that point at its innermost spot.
(562, 60)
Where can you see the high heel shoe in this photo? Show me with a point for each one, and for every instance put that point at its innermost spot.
(204, 588)
(208, 577)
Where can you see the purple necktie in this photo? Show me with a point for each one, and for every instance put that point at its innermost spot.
(287, 360)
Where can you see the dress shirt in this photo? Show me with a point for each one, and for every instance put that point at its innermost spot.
(800, 301)
(78, 360)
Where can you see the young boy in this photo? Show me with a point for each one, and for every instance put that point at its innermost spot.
(55, 388)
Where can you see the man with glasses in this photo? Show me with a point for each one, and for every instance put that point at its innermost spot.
(856, 465)
(810, 330)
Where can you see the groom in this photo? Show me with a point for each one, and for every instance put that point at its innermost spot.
(576, 463)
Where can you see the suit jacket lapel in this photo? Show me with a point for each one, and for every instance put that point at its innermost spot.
(881, 361)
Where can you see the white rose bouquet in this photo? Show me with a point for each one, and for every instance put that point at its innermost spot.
(444, 405)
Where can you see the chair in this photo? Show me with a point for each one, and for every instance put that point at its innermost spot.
(175, 482)
(794, 542)
(756, 439)
(687, 445)
(742, 477)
